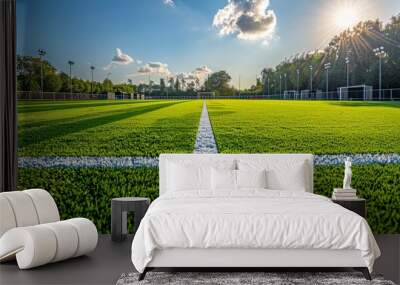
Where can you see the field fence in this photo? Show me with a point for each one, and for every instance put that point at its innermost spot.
(29, 95)
(357, 95)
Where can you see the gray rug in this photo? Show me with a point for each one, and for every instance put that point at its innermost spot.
(269, 278)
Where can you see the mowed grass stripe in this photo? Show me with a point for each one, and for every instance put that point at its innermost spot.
(45, 112)
(250, 126)
(45, 106)
(130, 129)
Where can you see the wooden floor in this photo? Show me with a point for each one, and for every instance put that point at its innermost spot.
(110, 260)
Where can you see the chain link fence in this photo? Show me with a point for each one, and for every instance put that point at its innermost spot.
(348, 95)
(29, 95)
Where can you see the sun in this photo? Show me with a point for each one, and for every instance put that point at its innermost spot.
(346, 17)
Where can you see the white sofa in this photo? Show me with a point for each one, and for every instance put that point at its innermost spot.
(31, 231)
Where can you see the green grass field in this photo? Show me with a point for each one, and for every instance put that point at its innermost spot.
(249, 126)
(104, 128)
(130, 128)
(87, 192)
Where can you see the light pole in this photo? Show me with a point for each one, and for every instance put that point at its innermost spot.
(71, 63)
(347, 61)
(327, 66)
(280, 84)
(108, 78)
(298, 80)
(311, 78)
(130, 82)
(91, 83)
(41, 53)
(381, 54)
(238, 83)
(285, 75)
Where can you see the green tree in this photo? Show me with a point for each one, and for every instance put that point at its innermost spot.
(162, 85)
(107, 85)
(219, 82)
(177, 85)
(52, 83)
(64, 82)
(171, 83)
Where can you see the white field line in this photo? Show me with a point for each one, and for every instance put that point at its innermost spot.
(205, 141)
(134, 162)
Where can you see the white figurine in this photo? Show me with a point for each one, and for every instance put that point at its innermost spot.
(347, 174)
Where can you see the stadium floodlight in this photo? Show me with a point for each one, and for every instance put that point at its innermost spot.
(280, 84)
(92, 68)
(347, 61)
(41, 53)
(298, 79)
(381, 54)
(327, 66)
(311, 78)
(71, 63)
(285, 76)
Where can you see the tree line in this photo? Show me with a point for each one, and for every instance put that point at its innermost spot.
(29, 78)
(349, 56)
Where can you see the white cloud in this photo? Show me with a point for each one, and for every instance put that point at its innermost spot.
(158, 68)
(202, 72)
(195, 77)
(249, 19)
(169, 2)
(119, 58)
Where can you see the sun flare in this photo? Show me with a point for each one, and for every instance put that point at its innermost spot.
(346, 17)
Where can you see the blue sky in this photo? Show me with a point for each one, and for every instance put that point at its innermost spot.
(179, 36)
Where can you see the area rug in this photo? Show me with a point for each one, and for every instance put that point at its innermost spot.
(244, 278)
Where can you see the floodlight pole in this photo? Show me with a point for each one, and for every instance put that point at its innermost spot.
(91, 84)
(285, 75)
(347, 60)
(298, 79)
(280, 85)
(71, 63)
(311, 78)
(381, 54)
(239, 85)
(41, 53)
(327, 67)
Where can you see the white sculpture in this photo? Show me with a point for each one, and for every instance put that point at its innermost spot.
(347, 174)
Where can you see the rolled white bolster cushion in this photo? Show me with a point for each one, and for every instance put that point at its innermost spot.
(67, 240)
(87, 235)
(7, 218)
(33, 246)
(37, 245)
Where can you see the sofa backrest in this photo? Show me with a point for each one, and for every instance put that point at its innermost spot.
(26, 208)
(213, 159)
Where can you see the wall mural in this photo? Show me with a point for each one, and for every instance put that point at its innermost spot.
(105, 86)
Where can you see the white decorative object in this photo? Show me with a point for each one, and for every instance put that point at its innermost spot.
(31, 231)
(344, 194)
(347, 174)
